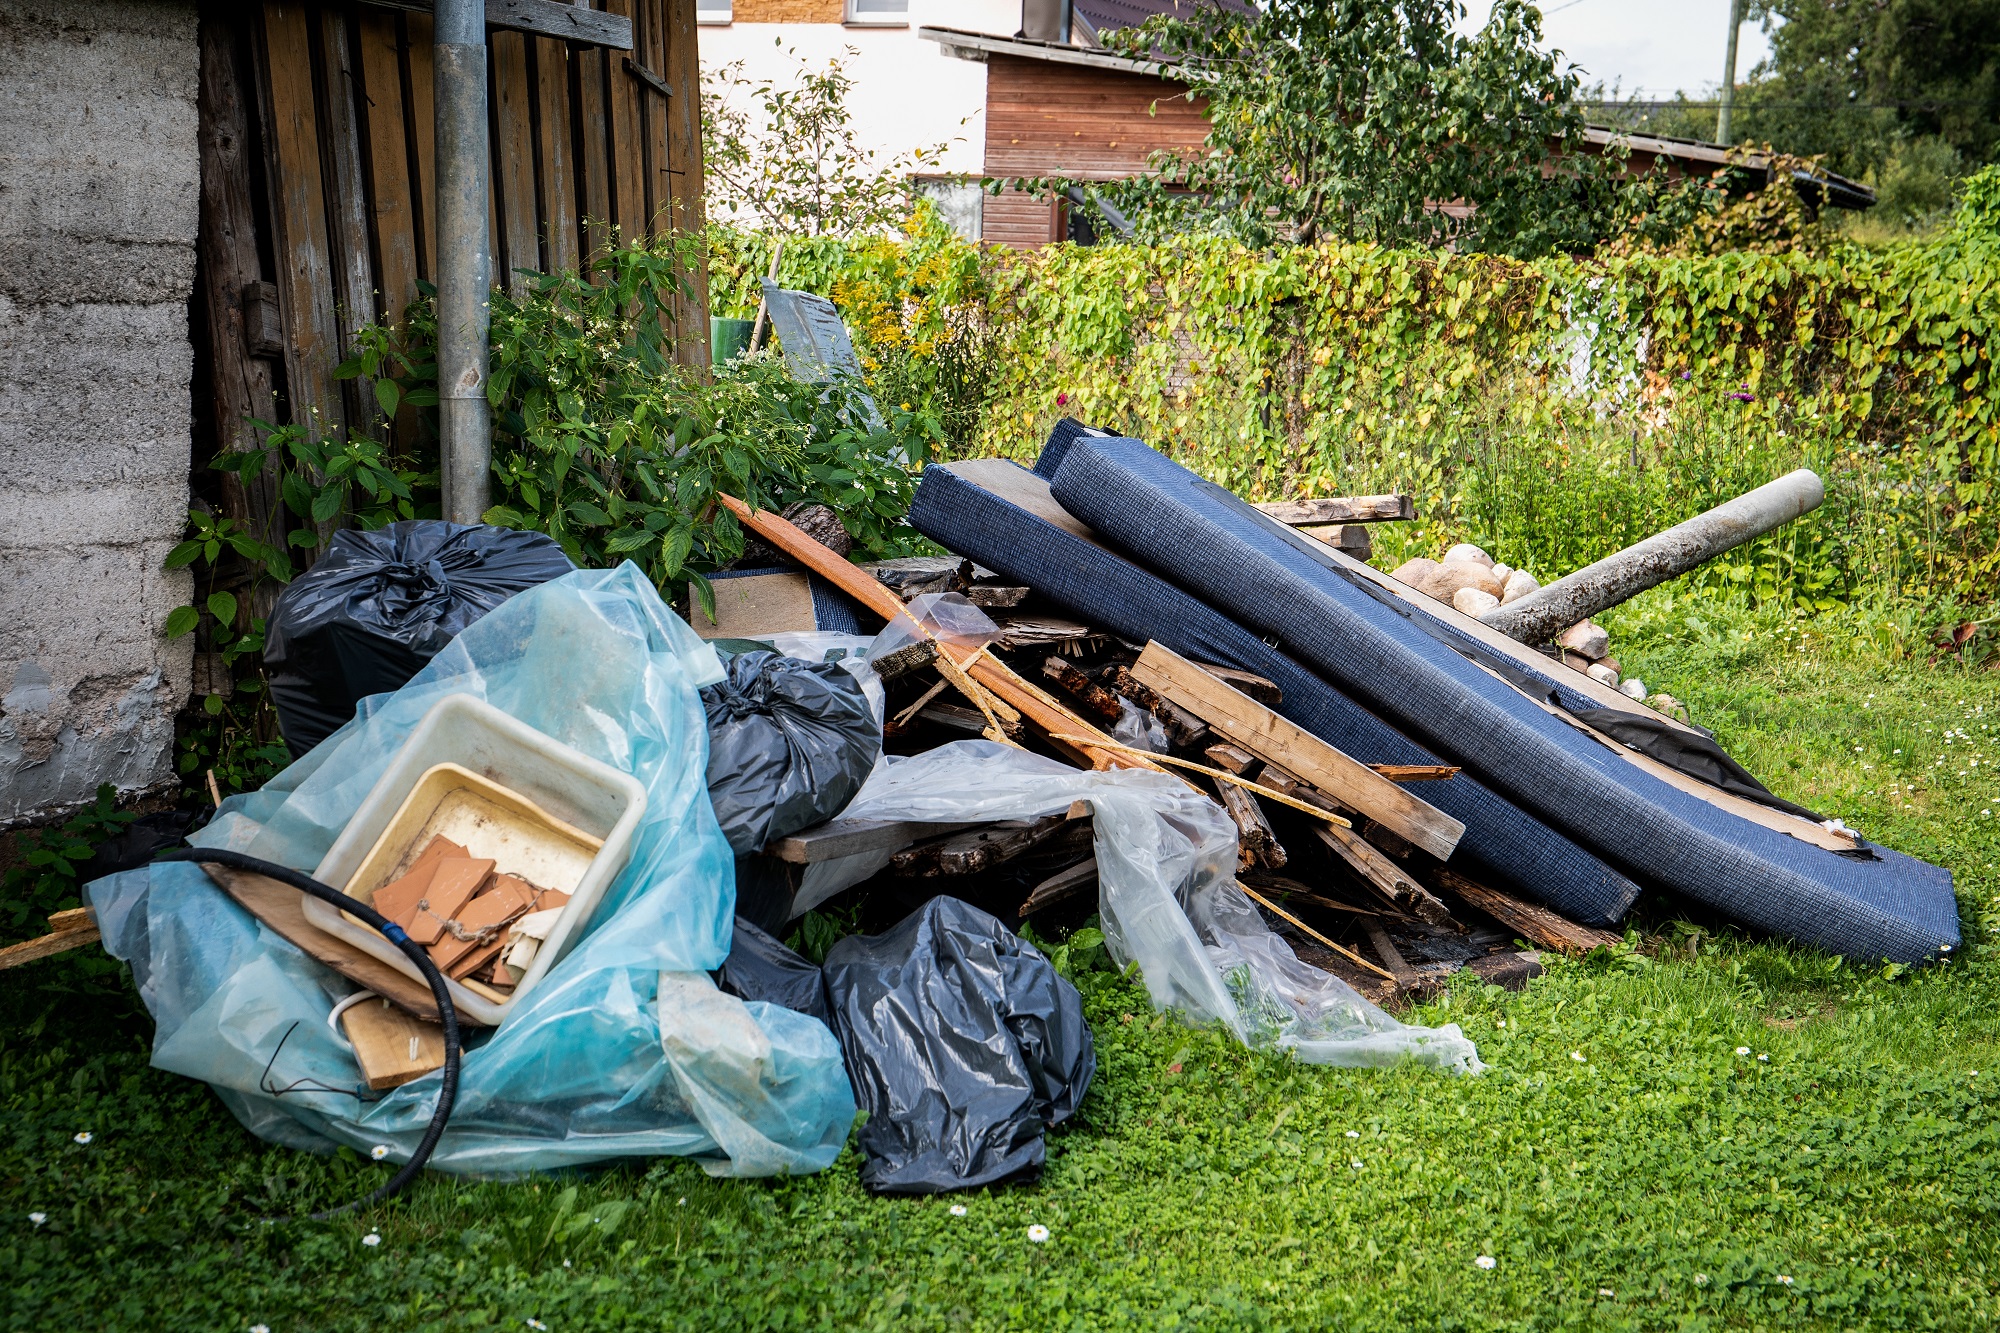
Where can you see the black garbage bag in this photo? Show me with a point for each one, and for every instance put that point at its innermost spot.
(963, 1045)
(379, 605)
(760, 967)
(789, 743)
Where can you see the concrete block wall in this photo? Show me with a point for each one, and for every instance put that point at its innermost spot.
(99, 200)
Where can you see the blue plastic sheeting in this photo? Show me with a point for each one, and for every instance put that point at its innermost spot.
(625, 1049)
(1876, 905)
(1501, 845)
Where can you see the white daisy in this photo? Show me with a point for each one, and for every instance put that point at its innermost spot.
(1577, 1056)
(1701, 1279)
(1606, 1291)
(1486, 1261)
(1764, 1058)
(38, 1218)
(1784, 1280)
(958, 1210)
(379, 1151)
(1743, 1050)
(1038, 1233)
(536, 1324)
(1353, 1133)
(371, 1239)
(85, 1137)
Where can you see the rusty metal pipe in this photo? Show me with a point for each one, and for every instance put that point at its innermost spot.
(1543, 614)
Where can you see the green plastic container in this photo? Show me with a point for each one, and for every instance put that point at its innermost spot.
(727, 339)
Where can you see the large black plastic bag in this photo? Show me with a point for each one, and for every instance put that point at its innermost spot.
(760, 967)
(374, 610)
(963, 1045)
(789, 743)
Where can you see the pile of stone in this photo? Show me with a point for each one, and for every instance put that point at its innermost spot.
(1474, 583)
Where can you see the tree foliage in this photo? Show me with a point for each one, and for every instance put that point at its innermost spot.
(1373, 120)
(787, 160)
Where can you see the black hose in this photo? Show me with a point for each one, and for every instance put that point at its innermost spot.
(395, 934)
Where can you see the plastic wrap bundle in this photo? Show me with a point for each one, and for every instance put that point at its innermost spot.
(626, 1048)
(1166, 861)
(964, 1046)
(378, 605)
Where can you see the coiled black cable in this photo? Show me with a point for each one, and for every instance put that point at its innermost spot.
(395, 934)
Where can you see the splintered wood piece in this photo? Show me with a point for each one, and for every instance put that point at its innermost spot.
(910, 657)
(981, 849)
(1417, 772)
(851, 837)
(282, 908)
(1231, 759)
(1264, 691)
(1551, 930)
(1256, 844)
(1384, 875)
(1387, 841)
(67, 930)
(1042, 632)
(1083, 689)
(996, 598)
(958, 719)
(1291, 888)
(1246, 723)
(391, 1047)
(903, 719)
(452, 885)
(1036, 706)
(1184, 729)
(1340, 949)
(1352, 538)
(1342, 509)
(1062, 884)
(462, 952)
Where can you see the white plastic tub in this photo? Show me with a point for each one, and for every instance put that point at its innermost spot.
(537, 808)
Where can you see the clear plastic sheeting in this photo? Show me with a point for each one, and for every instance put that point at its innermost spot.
(625, 1048)
(1169, 901)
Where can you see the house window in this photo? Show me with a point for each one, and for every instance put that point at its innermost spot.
(713, 11)
(879, 13)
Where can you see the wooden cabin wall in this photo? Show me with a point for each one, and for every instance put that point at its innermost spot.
(319, 173)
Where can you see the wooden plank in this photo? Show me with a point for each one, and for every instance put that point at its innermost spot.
(281, 907)
(1551, 930)
(1063, 884)
(393, 199)
(1184, 729)
(681, 66)
(1342, 509)
(1246, 723)
(760, 604)
(1034, 704)
(546, 18)
(1417, 772)
(1351, 538)
(348, 219)
(240, 380)
(594, 163)
(514, 158)
(852, 837)
(558, 176)
(628, 160)
(422, 88)
(649, 46)
(1380, 873)
(1256, 844)
(71, 935)
(1083, 689)
(305, 276)
(391, 1047)
(1231, 759)
(977, 849)
(1264, 691)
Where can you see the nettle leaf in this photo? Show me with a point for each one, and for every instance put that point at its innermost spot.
(388, 395)
(222, 606)
(182, 620)
(326, 505)
(674, 551)
(181, 555)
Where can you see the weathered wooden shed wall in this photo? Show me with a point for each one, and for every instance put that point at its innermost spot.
(318, 182)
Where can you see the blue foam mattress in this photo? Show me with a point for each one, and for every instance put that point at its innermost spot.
(1392, 657)
(1501, 845)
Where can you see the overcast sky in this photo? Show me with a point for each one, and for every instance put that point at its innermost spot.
(1653, 49)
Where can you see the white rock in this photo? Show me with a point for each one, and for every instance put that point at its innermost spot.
(1519, 584)
(1501, 571)
(1466, 552)
(1602, 674)
(1474, 602)
(1592, 641)
(1633, 688)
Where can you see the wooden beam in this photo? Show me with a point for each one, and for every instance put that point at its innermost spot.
(1256, 843)
(1382, 874)
(1231, 759)
(1062, 884)
(67, 930)
(1184, 729)
(1277, 740)
(1083, 689)
(1034, 704)
(851, 837)
(1551, 930)
(1342, 509)
(978, 849)
(544, 18)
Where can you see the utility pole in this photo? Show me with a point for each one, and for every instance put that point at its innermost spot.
(1729, 75)
(465, 269)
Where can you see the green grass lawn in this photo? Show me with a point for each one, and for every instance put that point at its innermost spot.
(1620, 1162)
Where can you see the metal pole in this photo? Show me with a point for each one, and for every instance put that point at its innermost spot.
(465, 269)
(1068, 21)
(1729, 74)
(1542, 615)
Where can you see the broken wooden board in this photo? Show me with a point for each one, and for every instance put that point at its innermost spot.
(1231, 759)
(755, 605)
(1342, 509)
(391, 1047)
(1382, 874)
(1264, 690)
(1082, 688)
(1184, 729)
(1551, 930)
(1256, 844)
(68, 930)
(1352, 538)
(1042, 632)
(280, 907)
(979, 849)
(852, 837)
(1063, 884)
(1417, 772)
(1250, 725)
